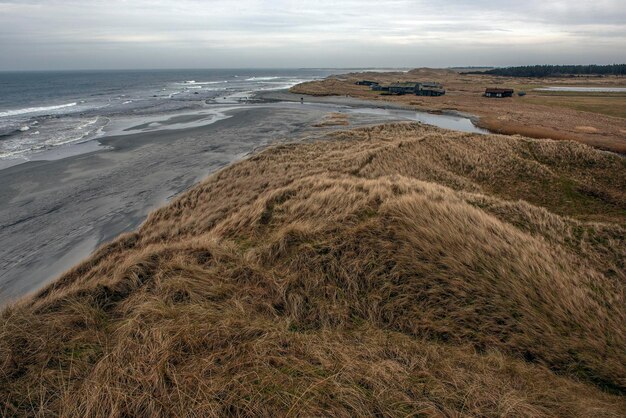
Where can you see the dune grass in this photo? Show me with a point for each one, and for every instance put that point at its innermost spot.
(610, 104)
(334, 119)
(397, 270)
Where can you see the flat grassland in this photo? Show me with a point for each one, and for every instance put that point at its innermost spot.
(596, 119)
(396, 270)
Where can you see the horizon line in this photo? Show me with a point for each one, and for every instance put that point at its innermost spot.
(291, 68)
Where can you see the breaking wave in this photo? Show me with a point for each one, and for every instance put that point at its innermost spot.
(261, 78)
(35, 110)
(200, 83)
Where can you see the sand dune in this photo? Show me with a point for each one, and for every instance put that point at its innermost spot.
(394, 270)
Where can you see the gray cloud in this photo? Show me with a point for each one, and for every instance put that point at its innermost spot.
(50, 34)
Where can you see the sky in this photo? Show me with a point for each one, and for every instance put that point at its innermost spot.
(137, 34)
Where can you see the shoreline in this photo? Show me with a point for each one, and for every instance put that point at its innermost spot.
(258, 100)
(287, 95)
(110, 191)
(56, 212)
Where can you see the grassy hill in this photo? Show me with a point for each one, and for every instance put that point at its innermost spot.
(395, 270)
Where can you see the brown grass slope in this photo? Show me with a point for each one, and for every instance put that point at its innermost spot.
(395, 270)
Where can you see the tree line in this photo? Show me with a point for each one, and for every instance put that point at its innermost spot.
(556, 70)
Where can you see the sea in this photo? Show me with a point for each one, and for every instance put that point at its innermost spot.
(43, 110)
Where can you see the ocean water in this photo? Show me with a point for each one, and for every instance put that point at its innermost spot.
(43, 110)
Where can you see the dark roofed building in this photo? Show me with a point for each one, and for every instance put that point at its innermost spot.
(430, 92)
(404, 88)
(430, 89)
(413, 87)
(432, 85)
(366, 83)
(499, 92)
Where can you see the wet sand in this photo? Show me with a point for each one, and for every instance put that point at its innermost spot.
(55, 213)
(286, 96)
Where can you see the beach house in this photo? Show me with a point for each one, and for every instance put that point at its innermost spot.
(404, 88)
(499, 93)
(430, 89)
(366, 83)
(378, 87)
(420, 89)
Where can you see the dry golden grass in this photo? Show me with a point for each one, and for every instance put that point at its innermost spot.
(334, 119)
(397, 270)
(607, 104)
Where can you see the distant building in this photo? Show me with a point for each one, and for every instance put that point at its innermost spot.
(378, 87)
(404, 88)
(499, 93)
(366, 83)
(420, 89)
(431, 85)
(430, 92)
(430, 89)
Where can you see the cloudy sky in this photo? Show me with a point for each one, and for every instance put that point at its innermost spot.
(90, 34)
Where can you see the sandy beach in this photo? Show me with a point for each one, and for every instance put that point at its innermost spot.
(55, 213)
